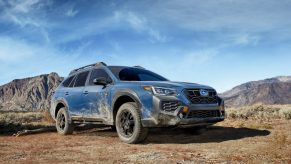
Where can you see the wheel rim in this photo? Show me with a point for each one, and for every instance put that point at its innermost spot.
(126, 124)
(61, 122)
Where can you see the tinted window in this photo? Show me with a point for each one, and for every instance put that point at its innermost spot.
(135, 74)
(97, 73)
(81, 79)
(73, 82)
(67, 82)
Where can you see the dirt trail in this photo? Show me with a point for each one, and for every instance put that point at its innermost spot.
(235, 141)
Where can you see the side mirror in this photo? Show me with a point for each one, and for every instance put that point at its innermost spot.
(100, 81)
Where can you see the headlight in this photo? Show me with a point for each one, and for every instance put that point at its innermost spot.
(161, 90)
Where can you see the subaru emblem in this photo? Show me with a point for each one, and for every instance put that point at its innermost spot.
(204, 92)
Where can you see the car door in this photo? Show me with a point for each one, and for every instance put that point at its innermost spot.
(75, 95)
(97, 98)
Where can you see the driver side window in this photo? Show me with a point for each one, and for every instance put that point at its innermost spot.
(97, 73)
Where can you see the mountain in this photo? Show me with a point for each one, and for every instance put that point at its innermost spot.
(275, 90)
(34, 93)
(29, 94)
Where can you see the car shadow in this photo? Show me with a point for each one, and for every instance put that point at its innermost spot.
(213, 134)
(95, 130)
(10, 129)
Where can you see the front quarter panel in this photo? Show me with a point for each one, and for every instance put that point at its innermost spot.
(142, 98)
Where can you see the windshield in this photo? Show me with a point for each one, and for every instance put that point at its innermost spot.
(135, 74)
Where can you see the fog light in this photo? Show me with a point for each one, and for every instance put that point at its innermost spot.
(185, 109)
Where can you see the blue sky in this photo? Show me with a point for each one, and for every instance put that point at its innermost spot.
(220, 43)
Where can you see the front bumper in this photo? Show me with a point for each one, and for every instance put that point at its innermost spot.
(197, 115)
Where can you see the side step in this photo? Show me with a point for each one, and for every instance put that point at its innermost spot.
(91, 120)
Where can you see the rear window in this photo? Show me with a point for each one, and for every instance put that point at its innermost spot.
(81, 79)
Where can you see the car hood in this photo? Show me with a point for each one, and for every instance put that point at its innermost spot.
(171, 84)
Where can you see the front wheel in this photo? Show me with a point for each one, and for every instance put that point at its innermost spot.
(128, 124)
(62, 122)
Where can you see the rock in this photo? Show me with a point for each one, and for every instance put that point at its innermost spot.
(269, 91)
(29, 94)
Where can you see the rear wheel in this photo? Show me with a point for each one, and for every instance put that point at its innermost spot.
(128, 124)
(62, 122)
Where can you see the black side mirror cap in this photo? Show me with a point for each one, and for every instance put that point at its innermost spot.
(100, 81)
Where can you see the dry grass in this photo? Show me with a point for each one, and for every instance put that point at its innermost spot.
(13, 122)
(263, 112)
(222, 143)
(231, 141)
(25, 118)
(20, 117)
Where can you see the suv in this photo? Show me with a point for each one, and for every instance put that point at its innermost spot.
(132, 100)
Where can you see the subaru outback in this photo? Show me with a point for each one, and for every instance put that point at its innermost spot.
(131, 100)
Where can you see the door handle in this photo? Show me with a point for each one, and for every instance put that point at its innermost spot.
(85, 92)
(67, 93)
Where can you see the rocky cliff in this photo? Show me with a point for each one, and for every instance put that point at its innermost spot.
(269, 91)
(29, 94)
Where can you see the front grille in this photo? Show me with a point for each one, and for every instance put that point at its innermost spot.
(170, 105)
(194, 96)
(203, 114)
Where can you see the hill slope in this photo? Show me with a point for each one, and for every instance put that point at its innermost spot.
(29, 94)
(33, 94)
(269, 91)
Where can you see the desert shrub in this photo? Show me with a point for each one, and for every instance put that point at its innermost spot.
(286, 113)
(261, 112)
(47, 117)
(20, 117)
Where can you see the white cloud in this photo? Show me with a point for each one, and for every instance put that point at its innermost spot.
(15, 51)
(71, 12)
(246, 39)
(177, 65)
(199, 57)
(26, 14)
(209, 27)
(140, 24)
(157, 36)
(21, 59)
(115, 45)
(24, 6)
(261, 20)
(19, 12)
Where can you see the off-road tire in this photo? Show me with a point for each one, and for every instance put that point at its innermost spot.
(139, 133)
(62, 122)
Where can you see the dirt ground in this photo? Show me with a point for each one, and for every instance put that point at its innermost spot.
(235, 141)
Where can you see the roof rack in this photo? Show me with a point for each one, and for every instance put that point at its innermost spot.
(88, 66)
(137, 66)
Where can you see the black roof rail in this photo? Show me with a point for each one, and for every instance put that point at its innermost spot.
(88, 66)
(137, 66)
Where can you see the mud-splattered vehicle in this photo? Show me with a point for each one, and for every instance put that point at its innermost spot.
(132, 100)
